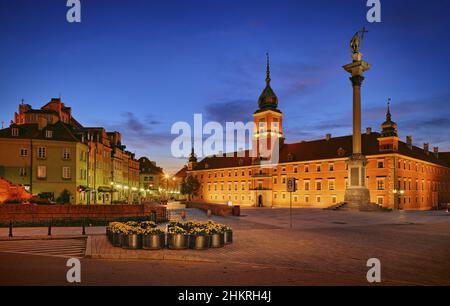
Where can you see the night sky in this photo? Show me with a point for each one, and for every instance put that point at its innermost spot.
(139, 66)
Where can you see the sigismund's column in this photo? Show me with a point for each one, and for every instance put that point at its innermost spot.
(357, 195)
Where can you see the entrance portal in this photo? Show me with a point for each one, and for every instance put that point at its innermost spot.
(260, 201)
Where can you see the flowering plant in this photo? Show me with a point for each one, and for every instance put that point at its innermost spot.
(177, 230)
(199, 231)
(176, 224)
(147, 224)
(152, 231)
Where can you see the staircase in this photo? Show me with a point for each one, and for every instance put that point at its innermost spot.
(371, 207)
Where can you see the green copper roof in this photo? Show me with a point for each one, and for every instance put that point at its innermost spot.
(268, 99)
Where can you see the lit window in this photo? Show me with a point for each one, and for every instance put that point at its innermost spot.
(48, 134)
(42, 172)
(15, 132)
(331, 184)
(380, 183)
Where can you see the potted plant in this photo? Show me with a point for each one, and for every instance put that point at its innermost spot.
(177, 238)
(132, 238)
(117, 230)
(199, 238)
(227, 234)
(217, 234)
(153, 239)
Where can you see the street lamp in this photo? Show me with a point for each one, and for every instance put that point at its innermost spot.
(399, 194)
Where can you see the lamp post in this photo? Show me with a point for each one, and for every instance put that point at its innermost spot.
(398, 194)
(111, 192)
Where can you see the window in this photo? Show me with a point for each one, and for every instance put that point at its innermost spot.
(318, 199)
(318, 168)
(331, 184)
(23, 171)
(66, 153)
(306, 185)
(48, 134)
(380, 183)
(284, 180)
(15, 132)
(306, 168)
(380, 164)
(23, 152)
(380, 200)
(330, 167)
(275, 180)
(42, 152)
(295, 170)
(42, 172)
(333, 199)
(318, 185)
(306, 199)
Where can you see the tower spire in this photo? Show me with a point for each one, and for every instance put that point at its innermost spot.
(268, 69)
(388, 113)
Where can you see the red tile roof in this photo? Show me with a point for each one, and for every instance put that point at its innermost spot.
(338, 147)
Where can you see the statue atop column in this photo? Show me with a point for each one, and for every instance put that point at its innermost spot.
(355, 43)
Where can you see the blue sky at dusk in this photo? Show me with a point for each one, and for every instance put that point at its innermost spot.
(139, 66)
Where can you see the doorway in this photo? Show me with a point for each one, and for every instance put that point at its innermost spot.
(260, 201)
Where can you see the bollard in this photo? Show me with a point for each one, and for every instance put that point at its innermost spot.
(10, 229)
(49, 229)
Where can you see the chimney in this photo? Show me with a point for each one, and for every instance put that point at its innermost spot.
(409, 142)
(369, 131)
(436, 151)
(328, 137)
(426, 148)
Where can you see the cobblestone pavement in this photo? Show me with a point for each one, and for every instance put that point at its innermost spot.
(413, 247)
(330, 247)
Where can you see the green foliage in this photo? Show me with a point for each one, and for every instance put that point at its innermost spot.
(64, 198)
(190, 186)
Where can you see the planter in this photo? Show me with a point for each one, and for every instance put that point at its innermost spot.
(109, 235)
(117, 240)
(199, 242)
(217, 240)
(228, 237)
(132, 242)
(153, 242)
(178, 241)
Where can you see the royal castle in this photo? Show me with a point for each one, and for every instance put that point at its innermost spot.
(398, 174)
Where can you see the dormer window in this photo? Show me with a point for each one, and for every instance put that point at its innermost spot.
(15, 132)
(290, 157)
(48, 134)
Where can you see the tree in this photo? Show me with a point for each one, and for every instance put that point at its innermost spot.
(64, 198)
(190, 186)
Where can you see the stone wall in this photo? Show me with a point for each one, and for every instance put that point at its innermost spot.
(32, 212)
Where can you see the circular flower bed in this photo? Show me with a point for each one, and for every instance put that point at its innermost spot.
(180, 236)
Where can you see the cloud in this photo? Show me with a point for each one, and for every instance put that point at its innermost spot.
(231, 110)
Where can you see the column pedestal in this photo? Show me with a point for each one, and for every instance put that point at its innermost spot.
(357, 195)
